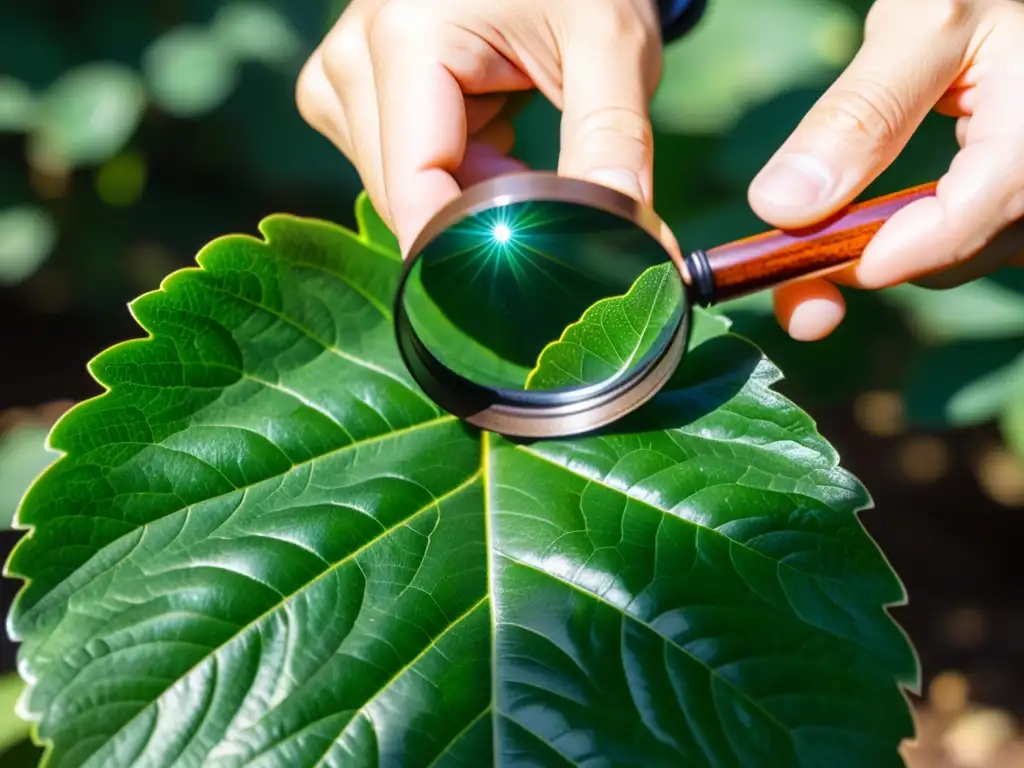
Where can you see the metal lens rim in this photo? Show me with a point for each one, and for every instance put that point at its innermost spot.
(539, 414)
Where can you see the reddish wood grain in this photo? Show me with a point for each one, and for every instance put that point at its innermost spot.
(773, 258)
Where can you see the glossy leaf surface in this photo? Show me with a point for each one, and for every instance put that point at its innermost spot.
(265, 547)
(613, 334)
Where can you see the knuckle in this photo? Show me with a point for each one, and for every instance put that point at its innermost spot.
(932, 16)
(469, 57)
(304, 97)
(399, 21)
(1014, 209)
(345, 52)
(630, 33)
(614, 126)
(615, 16)
(1006, 16)
(314, 99)
(947, 15)
(865, 110)
(623, 22)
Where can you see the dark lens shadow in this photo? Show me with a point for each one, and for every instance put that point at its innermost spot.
(709, 376)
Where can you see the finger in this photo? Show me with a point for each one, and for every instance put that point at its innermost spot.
(482, 110)
(810, 309)
(982, 193)
(423, 139)
(487, 153)
(499, 134)
(911, 54)
(956, 102)
(961, 98)
(610, 69)
(348, 68)
(969, 227)
(963, 125)
(1006, 249)
(422, 72)
(318, 104)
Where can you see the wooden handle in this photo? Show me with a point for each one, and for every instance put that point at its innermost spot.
(777, 257)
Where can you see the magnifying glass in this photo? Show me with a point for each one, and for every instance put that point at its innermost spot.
(537, 306)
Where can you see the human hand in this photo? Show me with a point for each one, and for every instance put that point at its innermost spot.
(416, 94)
(965, 59)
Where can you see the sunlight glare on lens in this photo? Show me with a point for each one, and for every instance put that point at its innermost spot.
(502, 233)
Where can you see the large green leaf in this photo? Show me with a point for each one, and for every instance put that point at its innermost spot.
(265, 546)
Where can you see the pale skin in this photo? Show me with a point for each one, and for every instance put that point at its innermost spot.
(416, 95)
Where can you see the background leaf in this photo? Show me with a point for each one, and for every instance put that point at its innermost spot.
(23, 455)
(284, 554)
(89, 113)
(27, 235)
(742, 39)
(12, 728)
(257, 31)
(189, 71)
(17, 105)
(992, 307)
(965, 382)
(1012, 424)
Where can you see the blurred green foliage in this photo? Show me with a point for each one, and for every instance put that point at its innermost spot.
(132, 133)
(12, 729)
(16, 747)
(27, 234)
(23, 455)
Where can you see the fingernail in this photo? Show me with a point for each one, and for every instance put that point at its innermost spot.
(618, 178)
(794, 181)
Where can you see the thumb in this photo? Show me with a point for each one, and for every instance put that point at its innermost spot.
(609, 72)
(866, 117)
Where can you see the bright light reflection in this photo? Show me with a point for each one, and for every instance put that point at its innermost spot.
(501, 233)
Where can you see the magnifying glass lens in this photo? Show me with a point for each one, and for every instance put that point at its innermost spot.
(544, 297)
